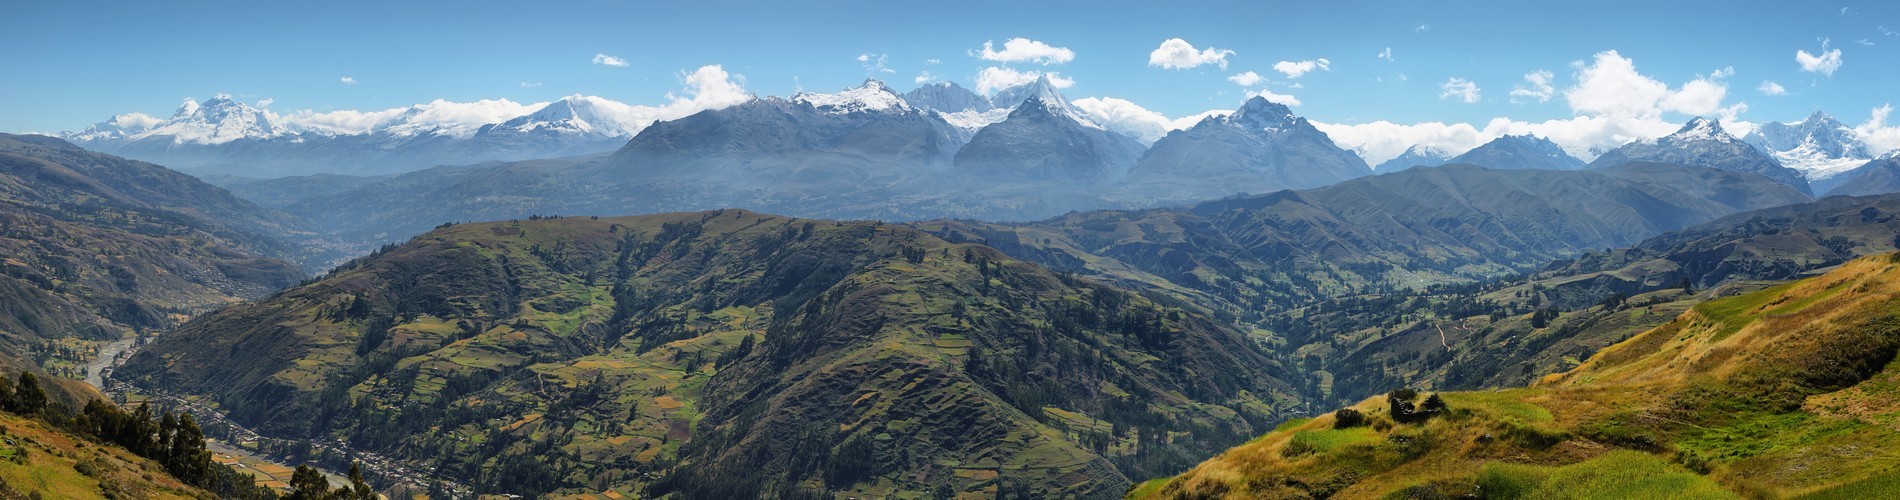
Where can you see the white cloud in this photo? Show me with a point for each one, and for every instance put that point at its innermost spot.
(347, 80)
(1386, 54)
(997, 78)
(1460, 89)
(1889, 32)
(1581, 136)
(1175, 53)
(1025, 50)
(1769, 87)
(1273, 97)
(933, 60)
(924, 77)
(874, 63)
(266, 102)
(610, 60)
(1613, 103)
(1865, 42)
(456, 118)
(1246, 79)
(1422, 28)
(1702, 96)
(529, 85)
(1537, 87)
(1878, 135)
(1827, 62)
(1610, 85)
(1296, 69)
(1132, 120)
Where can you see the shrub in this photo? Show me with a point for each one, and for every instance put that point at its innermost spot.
(1405, 412)
(1348, 418)
(89, 468)
(1298, 447)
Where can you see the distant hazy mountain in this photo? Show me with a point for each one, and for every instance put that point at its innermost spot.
(1520, 151)
(1419, 155)
(1821, 147)
(812, 144)
(1260, 148)
(946, 97)
(1046, 140)
(1702, 142)
(222, 136)
(1880, 176)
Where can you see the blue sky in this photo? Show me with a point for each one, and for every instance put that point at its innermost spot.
(74, 63)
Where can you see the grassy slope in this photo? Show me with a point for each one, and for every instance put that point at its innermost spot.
(963, 368)
(57, 465)
(1783, 392)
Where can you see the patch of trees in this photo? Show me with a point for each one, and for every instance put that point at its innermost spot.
(26, 398)
(309, 484)
(174, 441)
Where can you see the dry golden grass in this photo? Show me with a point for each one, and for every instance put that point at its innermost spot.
(1697, 394)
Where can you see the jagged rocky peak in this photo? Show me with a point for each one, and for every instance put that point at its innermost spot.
(1700, 128)
(1041, 88)
(1259, 114)
(1820, 146)
(1703, 142)
(872, 96)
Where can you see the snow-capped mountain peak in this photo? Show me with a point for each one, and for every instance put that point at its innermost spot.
(1416, 155)
(1820, 146)
(119, 127)
(1260, 114)
(873, 95)
(217, 120)
(187, 108)
(1701, 129)
(1044, 91)
(583, 115)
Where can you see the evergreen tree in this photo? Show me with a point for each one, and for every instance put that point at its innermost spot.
(308, 484)
(359, 489)
(28, 398)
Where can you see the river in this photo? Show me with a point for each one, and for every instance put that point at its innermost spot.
(107, 359)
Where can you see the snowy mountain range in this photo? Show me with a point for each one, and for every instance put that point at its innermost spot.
(223, 136)
(1703, 143)
(1259, 147)
(1821, 147)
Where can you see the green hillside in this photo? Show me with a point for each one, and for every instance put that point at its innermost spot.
(1783, 392)
(730, 354)
(1429, 276)
(95, 248)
